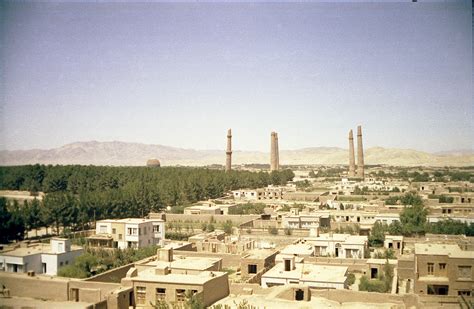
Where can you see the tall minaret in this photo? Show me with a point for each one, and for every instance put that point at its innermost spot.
(273, 152)
(360, 154)
(351, 155)
(228, 158)
(277, 152)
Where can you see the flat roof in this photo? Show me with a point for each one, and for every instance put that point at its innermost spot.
(299, 249)
(309, 272)
(129, 220)
(35, 249)
(453, 251)
(259, 253)
(188, 262)
(198, 279)
(345, 238)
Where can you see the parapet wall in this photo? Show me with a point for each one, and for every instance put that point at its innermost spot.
(236, 219)
(114, 275)
(228, 260)
(348, 296)
(39, 287)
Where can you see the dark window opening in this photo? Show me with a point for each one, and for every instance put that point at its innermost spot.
(252, 269)
(299, 295)
(374, 273)
(438, 289)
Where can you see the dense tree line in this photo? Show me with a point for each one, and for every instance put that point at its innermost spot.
(77, 195)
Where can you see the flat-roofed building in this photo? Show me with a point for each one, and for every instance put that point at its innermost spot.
(128, 233)
(256, 261)
(338, 245)
(443, 269)
(40, 258)
(394, 242)
(173, 278)
(312, 275)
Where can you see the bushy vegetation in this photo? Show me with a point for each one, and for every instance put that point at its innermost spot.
(247, 209)
(96, 261)
(77, 195)
(273, 230)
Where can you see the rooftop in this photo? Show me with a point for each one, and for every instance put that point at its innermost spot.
(309, 272)
(190, 263)
(453, 251)
(129, 220)
(199, 279)
(34, 249)
(299, 249)
(346, 238)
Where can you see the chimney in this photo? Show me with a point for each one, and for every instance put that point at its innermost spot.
(165, 254)
(228, 161)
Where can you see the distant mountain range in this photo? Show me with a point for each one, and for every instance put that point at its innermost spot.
(136, 154)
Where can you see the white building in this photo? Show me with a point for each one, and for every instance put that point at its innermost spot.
(339, 245)
(40, 258)
(128, 233)
(315, 276)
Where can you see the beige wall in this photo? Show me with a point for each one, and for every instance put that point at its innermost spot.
(454, 283)
(120, 229)
(39, 287)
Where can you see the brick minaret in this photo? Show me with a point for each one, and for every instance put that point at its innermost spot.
(351, 155)
(360, 154)
(228, 159)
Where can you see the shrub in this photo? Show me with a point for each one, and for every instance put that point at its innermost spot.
(273, 230)
(351, 279)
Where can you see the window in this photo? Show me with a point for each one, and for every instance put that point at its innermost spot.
(464, 272)
(120, 236)
(180, 295)
(464, 293)
(252, 268)
(60, 264)
(114, 231)
(430, 268)
(67, 262)
(141, 295)
(442, 266)
(438, 289)
(160, 294)
(132, 231)
(156, 228)
(103, 229)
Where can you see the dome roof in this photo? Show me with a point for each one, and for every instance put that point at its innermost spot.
(153, 162)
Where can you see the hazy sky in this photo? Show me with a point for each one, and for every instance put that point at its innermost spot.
(181, 74)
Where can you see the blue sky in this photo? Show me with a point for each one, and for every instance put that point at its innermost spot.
(180, 74)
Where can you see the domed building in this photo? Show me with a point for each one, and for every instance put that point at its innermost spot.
(153, 163)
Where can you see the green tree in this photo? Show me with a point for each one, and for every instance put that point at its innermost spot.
(227, 227)
(395, 228)
(33, 217)
(377, 234)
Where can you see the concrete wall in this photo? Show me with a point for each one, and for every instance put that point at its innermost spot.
(112, 276)
(38, 287)
(236, 219)
(228, 260)
(344, 296)
(215, 289)
(357, 265)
